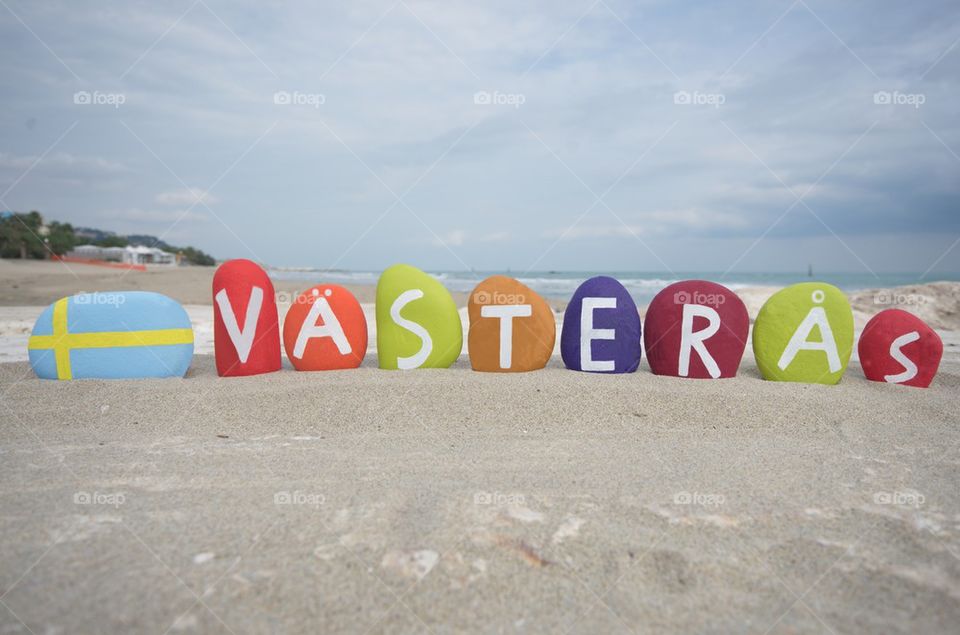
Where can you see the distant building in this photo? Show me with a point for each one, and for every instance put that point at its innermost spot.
(142, 255)
(132, 255)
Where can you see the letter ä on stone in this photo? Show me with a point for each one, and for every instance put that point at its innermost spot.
(601, 328)
(804, 333)
(512, 329)
(246, 332)
(325, 329)
(696, 329)
(897, 347)
(418, 325)
(113, 335)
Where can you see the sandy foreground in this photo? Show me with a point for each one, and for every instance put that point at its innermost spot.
(452, 501)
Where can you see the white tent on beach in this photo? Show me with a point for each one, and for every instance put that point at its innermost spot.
(131, 254)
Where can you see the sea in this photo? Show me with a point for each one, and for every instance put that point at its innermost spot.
(642, 285)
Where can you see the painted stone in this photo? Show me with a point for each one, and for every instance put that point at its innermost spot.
(897, 347)
(696, 329)
(512, 329)
(325, 329)
(114, 335)
(246, 331)
(417, 321)
(601, 328)
(804, 333)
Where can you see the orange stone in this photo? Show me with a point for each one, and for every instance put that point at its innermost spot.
(325, 329)
(512, 329)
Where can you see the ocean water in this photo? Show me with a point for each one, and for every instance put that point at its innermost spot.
(642, 285)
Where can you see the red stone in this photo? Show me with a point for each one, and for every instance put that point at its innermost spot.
(711, 308)
(242, 346)
(325, 329)
(896, 333)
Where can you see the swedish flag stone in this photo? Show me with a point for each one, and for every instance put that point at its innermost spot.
(116, 335)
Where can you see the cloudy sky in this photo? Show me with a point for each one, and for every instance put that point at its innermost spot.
(582, 135)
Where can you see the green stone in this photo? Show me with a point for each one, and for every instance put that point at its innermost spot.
(417, 321)
(804, 333)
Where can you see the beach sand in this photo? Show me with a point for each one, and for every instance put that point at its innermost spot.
(454, 501)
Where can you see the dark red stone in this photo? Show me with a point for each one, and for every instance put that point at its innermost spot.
(664, 324)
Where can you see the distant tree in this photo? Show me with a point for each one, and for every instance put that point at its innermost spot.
(20, 236)
(25, 236)
(112, 241)
(9, 238)
(61, 238)
(196, 257)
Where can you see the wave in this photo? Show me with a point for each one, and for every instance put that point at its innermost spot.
(643, 286)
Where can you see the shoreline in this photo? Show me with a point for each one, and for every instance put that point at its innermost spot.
(33, 285)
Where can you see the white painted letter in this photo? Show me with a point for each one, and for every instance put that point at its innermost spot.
(506, 313)
(910, 369)
(588, 333)
(426, 347)
(242, 340)
(690, 340)
(816, 317)
(329, 328)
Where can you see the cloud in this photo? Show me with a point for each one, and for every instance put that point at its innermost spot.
(186, 197)
(454, 238)
(155, 217)
(62, 162)
(671, 222)
(460, 237)
(598, 116)
(496, 237)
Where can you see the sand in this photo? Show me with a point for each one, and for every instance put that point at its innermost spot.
(451, 501)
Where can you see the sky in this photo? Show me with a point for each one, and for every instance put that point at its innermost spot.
(576, 136)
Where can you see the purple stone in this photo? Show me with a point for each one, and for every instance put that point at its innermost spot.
(614, 343)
